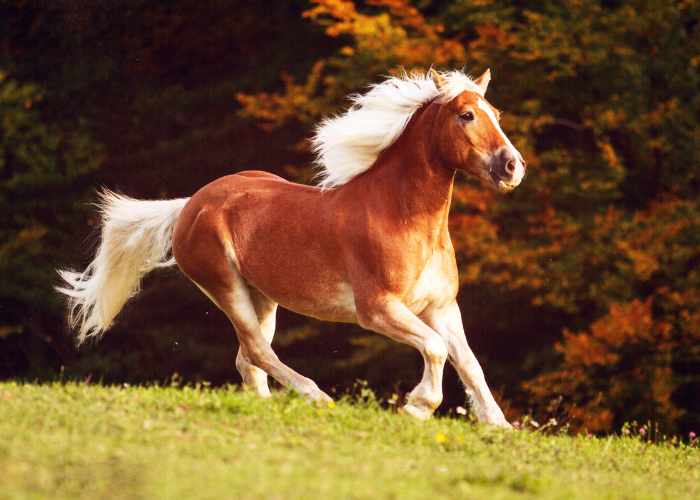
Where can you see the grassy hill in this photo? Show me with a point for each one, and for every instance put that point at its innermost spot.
(75, 441)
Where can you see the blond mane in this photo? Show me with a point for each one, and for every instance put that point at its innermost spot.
(348, 144)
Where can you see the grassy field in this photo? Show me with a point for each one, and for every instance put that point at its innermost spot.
(75, 441)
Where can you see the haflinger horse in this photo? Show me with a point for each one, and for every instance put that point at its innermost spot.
(369, 245)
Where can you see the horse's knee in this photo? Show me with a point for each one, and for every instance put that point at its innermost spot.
(435, 351)
(259, 356)
(252, 357)
(252, 376)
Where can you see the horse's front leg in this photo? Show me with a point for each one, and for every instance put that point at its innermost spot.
(393, 319)
(449, 325)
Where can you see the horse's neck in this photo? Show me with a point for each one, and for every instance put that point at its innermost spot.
(410, 181)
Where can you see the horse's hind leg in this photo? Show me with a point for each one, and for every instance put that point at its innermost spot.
(236, 300)
(265, 310)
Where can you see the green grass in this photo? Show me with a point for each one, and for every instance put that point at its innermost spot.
(72, 441)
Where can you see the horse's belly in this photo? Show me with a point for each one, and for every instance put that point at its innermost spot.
(338, 305)
(332, 302)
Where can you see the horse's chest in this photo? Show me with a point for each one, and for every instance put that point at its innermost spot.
(436, 285)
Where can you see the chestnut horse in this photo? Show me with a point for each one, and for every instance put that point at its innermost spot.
(369, 246)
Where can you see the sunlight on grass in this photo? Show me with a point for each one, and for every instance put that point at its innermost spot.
(72, 441)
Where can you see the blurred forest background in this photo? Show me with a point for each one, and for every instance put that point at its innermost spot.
(580, 290)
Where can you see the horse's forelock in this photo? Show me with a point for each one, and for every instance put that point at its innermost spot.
(457, 82)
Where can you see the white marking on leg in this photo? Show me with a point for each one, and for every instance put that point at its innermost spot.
(448, 324)
(255, 348)
(396, 321)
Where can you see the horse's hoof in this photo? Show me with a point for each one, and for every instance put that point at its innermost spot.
(323, 397)
(499, 422)
(504, 425)
(317, 395)
(419, 413)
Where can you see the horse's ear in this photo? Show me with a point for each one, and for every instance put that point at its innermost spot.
(438, 79)
(483, 80)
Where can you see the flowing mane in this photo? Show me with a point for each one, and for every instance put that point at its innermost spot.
(348, 144)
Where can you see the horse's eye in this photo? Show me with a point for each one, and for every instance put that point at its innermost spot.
(468, 116)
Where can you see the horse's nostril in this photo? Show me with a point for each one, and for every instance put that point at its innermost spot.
(510, 167)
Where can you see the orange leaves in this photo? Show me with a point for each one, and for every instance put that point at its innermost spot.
(401, 33)
(637, 275)
(625, 363)
(396, 35)
(297, 102)
(607, 258)
(491, 40)
(622, 366)
(623, 325)
(337, 15)
(341, 17)
(475, 240)
(468, 196)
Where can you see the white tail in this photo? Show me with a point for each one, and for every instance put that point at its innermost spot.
(136, 238)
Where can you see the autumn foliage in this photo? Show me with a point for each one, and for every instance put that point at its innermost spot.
(581, 287)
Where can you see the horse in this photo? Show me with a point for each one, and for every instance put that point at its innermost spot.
(368, 245)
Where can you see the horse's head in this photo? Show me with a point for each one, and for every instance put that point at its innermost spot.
(469, 138)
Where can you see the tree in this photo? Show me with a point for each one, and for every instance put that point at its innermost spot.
(154, 85)
(641, 359)
(43, 171)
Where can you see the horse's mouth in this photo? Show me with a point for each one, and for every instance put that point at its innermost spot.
(503, 184)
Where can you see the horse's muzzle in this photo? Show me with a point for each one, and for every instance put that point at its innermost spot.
(506, 169)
